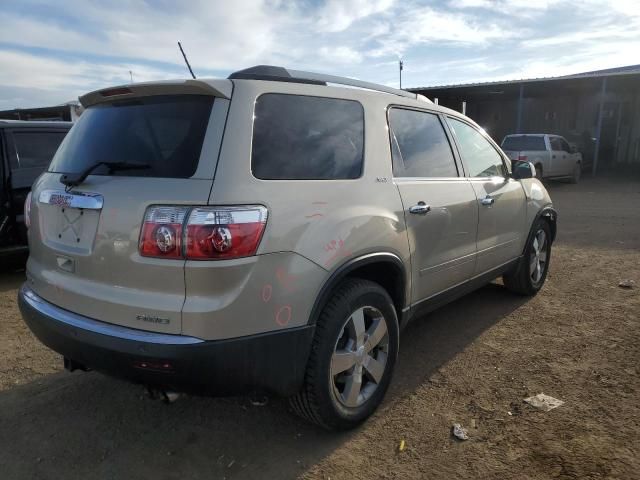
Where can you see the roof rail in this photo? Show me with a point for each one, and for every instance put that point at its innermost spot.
(281, 74)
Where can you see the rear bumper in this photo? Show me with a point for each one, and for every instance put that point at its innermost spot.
(273, 362)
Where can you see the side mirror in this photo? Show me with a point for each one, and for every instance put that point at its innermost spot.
(573, 149)
(522, 170)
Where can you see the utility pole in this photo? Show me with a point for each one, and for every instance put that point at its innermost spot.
(603, 92)
(520, 105)
(401, 65)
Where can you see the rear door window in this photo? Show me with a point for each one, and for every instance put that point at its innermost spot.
(164, 132)
(420, 145)
(35, 149)
(298, 137)
(522, 143)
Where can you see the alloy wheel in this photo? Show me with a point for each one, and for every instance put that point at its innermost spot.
(538, 257)
(360, 357)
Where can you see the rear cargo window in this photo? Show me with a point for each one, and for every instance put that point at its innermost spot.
(307, 138)
(523, 142)
(163, 132)
(35, 149)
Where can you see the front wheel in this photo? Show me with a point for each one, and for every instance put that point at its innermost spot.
(352, 357)
(531, 271)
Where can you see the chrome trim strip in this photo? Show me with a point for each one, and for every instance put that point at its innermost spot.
(490, 250)
(456, 262)
(84, 200)
(84, 323)
(495, 179)
(431, 179)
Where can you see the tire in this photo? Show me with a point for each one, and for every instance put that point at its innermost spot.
(575, 175)
(539, 172)
(527, 279)
(324, 398)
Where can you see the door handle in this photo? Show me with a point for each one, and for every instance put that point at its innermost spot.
(420, 209)
(488, 200)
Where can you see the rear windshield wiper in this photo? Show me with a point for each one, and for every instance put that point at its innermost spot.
(75, 179)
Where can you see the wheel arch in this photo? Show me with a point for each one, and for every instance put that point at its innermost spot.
(548, 214)
(384, 268)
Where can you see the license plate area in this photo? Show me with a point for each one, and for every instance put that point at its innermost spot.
(75, 227)
(69, 220)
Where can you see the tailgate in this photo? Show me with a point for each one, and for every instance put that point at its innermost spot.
(86, 260)
(84, 254)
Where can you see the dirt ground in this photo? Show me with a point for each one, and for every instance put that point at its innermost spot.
(472, 362)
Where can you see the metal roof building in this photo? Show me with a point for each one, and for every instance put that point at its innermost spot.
(68, 112)
(599, 111)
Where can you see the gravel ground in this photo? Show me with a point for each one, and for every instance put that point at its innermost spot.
(472, 362)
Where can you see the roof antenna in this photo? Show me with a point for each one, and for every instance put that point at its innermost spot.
(186, 61)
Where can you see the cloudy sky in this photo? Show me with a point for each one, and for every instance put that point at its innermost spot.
(52, 51)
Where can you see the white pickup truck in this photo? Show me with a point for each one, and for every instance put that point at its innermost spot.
(550, 154)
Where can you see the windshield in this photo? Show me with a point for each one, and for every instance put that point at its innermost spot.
(163, 132)
(523, 142)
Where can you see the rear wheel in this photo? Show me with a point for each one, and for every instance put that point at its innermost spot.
(531, 271)
(352, 357)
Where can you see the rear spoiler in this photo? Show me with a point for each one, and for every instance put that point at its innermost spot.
(216, 88)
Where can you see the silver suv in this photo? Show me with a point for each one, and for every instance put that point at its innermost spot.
(270, 232)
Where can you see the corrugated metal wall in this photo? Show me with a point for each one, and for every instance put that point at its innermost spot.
(570, 112)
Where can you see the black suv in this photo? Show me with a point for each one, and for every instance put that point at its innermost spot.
(26, 149)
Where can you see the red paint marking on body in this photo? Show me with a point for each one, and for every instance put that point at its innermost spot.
(334, 245)
(283, 315)
(285, 279)
(337, 255)
(314, 215)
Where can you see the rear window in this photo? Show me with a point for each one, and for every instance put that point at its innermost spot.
(163, 132)
(35, 149)
(523, 142)
(307, 138)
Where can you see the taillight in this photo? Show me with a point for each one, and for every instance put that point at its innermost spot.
(522, 158)
(162, 232)
(224, 232)
(212, 233)
(27, 210)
